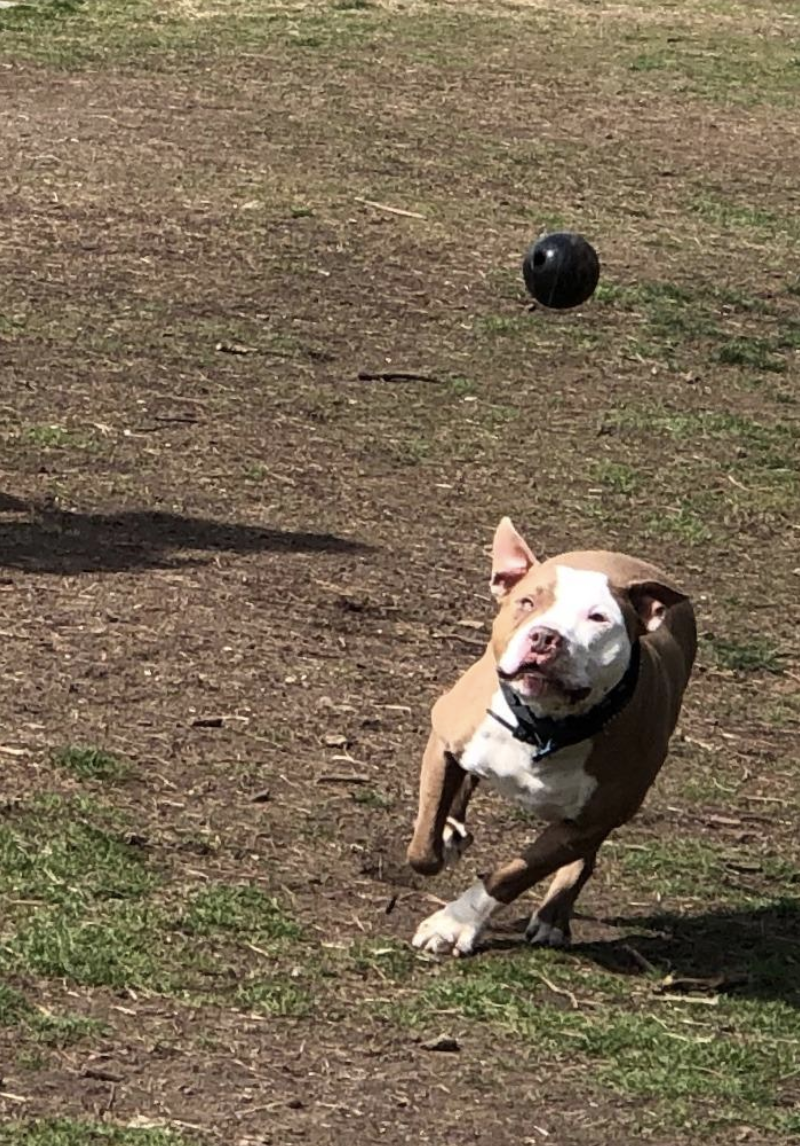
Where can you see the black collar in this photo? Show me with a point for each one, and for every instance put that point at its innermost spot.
(547, 735)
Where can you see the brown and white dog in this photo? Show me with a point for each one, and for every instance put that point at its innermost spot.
(569, 712)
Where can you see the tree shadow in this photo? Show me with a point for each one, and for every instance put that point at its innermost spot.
(48, 540)
(751, 953)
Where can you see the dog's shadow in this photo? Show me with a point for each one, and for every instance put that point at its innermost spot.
(40, 538)
(748, 953)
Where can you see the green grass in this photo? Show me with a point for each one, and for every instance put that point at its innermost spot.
(770, 445)
(62, 1031)
(683, 524)
(501, 325)
(275, 996)
(636, 1043)
(690, 869)
(63, 852)
(381, 961)
(43, 1027)
(221, 909)
(727, 214)
(725, 67)
(618, 477)
(73, 1132)
(143, 944)
(674, 320)
(122, 946)
(372, 798)
(13, 1006)
(75, 34)
(758, 654)
(88, 763)
(57, 438)
(752, 354)
(83, 904)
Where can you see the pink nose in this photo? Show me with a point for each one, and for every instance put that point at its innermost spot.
(545, 644)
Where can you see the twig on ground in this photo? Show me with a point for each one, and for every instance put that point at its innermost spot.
(395, 376)
(337, 778)
(559, 991)
(472, 644)
(391, 210)
(639, 959)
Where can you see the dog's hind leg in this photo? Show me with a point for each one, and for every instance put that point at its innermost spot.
(550, 924)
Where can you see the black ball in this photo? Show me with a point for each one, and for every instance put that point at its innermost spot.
(561, 270)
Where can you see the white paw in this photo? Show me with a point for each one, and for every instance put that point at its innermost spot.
(456, 840)
(541, 934)
(455, 929)
(443, 933)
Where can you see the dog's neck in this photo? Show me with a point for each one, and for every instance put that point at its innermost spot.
(547, 735)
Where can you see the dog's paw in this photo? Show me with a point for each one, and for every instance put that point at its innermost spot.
(456, 928)
(444, 934)
(539, 933)
(456, 840)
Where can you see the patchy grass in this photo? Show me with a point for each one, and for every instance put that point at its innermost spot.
(122, 948)
(66, 853)
(764, 446)
(751, 353)
(618, 477)
(755, 655)
(57, 438)
(384, 961)
(73, 34)
(87, 906)
(224, 909)
(725, 67)
(81, 1132)
(682, 523)
(671, 322)
(728, 214)
(13, 1006)
(89, 763)
(60, 1031)
(372, 798)
(276, 996)
(693, 870)
(41, 1026)
(625, 1030)
(206, 300)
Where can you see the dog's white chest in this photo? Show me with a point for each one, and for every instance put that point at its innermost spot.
(555, 788)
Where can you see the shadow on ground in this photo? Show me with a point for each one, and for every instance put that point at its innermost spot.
(755, 953)
(48, 540)
(752, 954)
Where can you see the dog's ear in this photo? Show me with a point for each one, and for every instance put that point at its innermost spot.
(651, 599)
(511, 558)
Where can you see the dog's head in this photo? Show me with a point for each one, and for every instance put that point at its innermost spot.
(565, 628)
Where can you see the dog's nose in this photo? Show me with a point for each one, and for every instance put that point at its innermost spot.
(545, 643)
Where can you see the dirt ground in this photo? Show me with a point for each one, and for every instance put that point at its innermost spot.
(246, 573)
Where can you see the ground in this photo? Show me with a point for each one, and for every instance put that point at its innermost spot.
(235, 574)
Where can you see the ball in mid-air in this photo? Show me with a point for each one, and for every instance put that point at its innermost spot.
(561, 270)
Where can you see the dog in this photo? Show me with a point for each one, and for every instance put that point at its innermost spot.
(569, 713)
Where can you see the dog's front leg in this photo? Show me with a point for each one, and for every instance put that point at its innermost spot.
(443, 785)
(456, 928)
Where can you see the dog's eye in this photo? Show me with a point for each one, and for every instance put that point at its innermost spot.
(525, 604)
(598, 617)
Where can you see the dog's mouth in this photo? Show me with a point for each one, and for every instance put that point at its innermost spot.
(531, 681)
